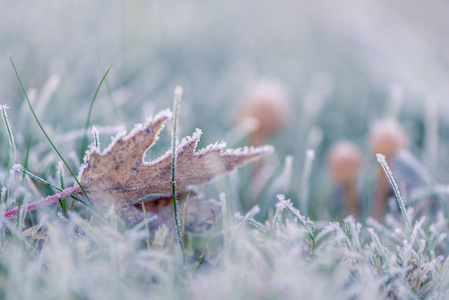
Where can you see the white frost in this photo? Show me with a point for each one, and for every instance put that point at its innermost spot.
(18, 167)
(267, 149)
(96, 136)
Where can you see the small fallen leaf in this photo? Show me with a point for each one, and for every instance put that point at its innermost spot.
(120, 177)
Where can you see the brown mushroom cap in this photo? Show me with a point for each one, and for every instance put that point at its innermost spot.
(345, 161)
(387, 137)
(266, 103)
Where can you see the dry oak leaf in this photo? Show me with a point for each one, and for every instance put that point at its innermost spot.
(120, 177)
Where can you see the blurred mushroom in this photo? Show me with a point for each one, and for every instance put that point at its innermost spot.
(265, 104)
(386, 137)
(345, 162)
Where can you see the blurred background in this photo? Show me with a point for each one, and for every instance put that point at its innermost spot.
(343, 64)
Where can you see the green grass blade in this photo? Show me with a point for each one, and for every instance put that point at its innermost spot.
(147, 227)
(42, 129)
(10, 136)
(84, 144)
(383, 163)
(224, 212)
(27, 153)
(305, 182)
(305, 222)
(60, 175)
(176, 102)
(108, 89)
(24, 171)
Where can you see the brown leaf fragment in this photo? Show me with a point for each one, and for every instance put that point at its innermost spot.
(120, 177)
(201, 215)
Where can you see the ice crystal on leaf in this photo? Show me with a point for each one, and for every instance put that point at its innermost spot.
(119, 176)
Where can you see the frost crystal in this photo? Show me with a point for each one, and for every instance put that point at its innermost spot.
(3, 109)
(121, 177)
(18, 167)
(382, 160)
(96, 137)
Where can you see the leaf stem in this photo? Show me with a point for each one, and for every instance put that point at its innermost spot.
(46, 201)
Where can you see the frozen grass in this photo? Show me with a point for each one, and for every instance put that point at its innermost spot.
(72, 252)
(265, 246)
(174, 144)
(88, 258)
